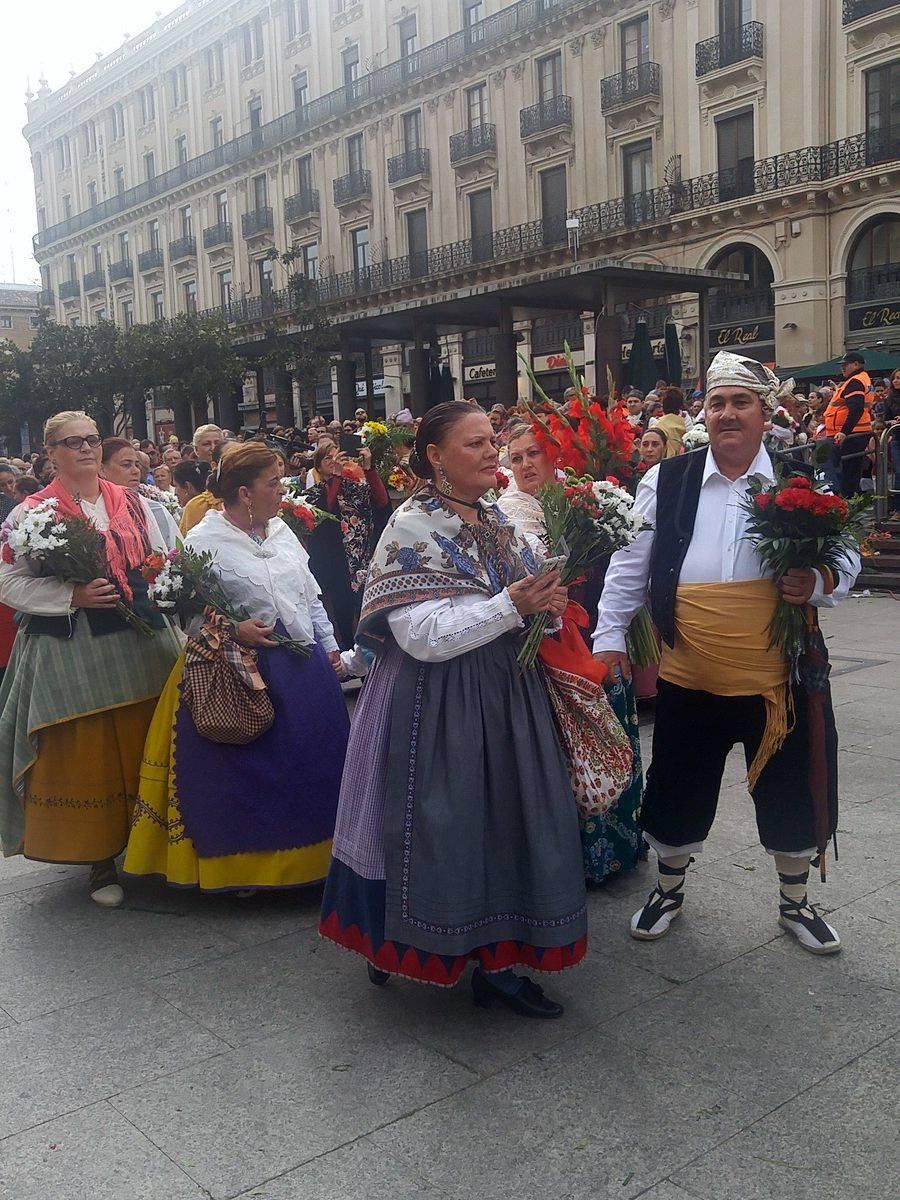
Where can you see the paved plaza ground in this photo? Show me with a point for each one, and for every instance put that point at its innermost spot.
(187, 1047)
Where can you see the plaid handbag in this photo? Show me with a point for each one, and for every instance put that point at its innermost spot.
(222, 686)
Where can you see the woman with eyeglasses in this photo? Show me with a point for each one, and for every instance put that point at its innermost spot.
(81, 687)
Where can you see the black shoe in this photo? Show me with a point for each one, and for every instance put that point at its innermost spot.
(528, 1001)
(379, 978)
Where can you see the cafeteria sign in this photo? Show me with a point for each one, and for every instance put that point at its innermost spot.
(882, 316)
(742, 335)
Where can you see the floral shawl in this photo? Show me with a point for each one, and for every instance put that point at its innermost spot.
(353, 507)
(428, 553)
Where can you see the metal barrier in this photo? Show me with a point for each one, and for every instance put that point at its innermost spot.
(884, 489)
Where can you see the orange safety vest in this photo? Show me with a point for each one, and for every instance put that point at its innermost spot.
(836, 412)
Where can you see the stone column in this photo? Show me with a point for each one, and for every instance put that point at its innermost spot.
(507, 364)
(393, 380)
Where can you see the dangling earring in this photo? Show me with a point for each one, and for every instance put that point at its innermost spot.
(250, 513)
(444, 484)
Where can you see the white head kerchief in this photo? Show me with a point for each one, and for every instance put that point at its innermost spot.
(733, 370)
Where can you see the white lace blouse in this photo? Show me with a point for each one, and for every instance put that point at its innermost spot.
(271, 579)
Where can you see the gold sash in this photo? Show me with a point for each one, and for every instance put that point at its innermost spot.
(722, 647)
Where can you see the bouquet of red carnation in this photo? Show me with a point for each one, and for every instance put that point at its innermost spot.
(300, 516)
(792, 524)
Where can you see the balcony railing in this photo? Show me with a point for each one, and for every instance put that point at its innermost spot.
(94, 281)
(874, 283)
(509, 22)
(183, 247)
(735, 307)
(855, 10)
(409, 165)
(732, 46)
(46, 299)
(123, 269)
(549, 336)
(69, 289)
(151, 260)
(301, 205)
(221, 234)
(470, 143)
(355, 186)
(609, 218)
(259, 220)
(555, 113)
(633, 84)
(654, 315)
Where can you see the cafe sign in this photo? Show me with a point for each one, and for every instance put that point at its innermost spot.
(877, 316)
(481, 373)
(542, 363)
(748, 334)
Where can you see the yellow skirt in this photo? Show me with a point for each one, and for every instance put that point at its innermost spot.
(80, 790)
(159, 845)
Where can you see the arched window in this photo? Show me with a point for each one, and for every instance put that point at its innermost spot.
(878, 245)
(742, 315)
(746, 260)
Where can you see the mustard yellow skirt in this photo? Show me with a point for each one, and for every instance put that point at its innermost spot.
(80, 790)
(159, 845)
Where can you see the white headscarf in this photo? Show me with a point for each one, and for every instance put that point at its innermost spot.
(733, 370)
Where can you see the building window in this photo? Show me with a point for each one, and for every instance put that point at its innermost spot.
(216, 133)
(89, 137)
(178, 85)
(252, 41)
(215, 64)
(92, 193)
(35, 321)
(355, 159)
(220, 207)
(149, 165)
(265, 272)
(123, 247)
(417, 241)
(734, 142)
(883, 112)
(153, 242)
(254, 111)
(72, 267)
(128, 313)
(117, 122)
(225, 287)
(189, 295)
(635, 42)
(359, 248)
(155, 306)
(148, 104)
(311, 260)
(297, 18)
(119, 181)
(301, 90)
(186, 219)
(305, 175)
(63, 153)
(66, 207)
(554, 203)
(412, 130)
(6, 323)
(409, 36)
(476, 106)
(260, 192)
(350, 65)
(37, 167)
(97, 256)
(549, 77)
(637, 170)
(181, 151)
(481, 224)
(733, 14)
(472, 12)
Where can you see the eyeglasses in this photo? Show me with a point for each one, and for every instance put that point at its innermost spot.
(75, 443)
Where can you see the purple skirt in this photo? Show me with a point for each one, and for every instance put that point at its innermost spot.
(279, 792)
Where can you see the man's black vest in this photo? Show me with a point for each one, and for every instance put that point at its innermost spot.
(677, 497)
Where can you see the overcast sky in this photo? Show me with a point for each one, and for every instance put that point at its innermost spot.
(53, 39)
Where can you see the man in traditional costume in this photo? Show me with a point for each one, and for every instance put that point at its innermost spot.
(719, 682)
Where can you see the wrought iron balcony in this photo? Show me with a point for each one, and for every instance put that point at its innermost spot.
(732, 46)
(221, 234)
(94, 281)
(633, 84)
(409, 165)
(736, 307)
(472, 143)
(855, 10)
(46, 299)
(301, 205)
(69, 289)
(555, 113)
(260, 220)
(183, 247)
(150, 260)
(355, 186)
(549, 335)
(874, 283)
(123, 269)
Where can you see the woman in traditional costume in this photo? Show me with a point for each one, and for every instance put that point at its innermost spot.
(610, 821)
(457, 834)
(260, 815)
(340, 550)
(121, 465)
(81, 687)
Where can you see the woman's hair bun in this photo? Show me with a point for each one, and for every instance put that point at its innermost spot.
(422, 470)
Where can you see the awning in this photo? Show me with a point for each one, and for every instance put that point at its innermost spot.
(877, 363)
